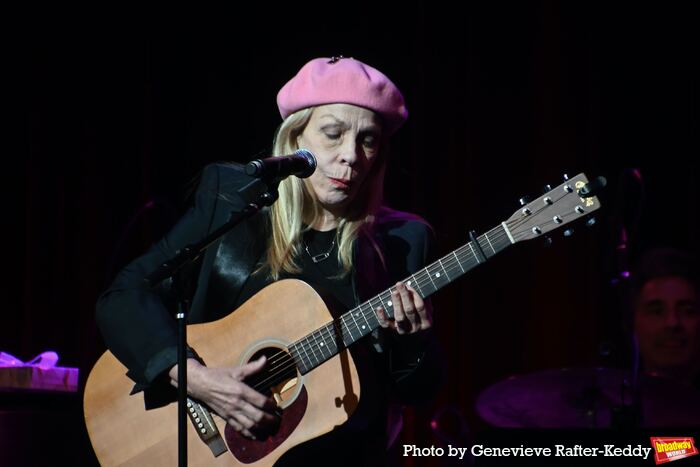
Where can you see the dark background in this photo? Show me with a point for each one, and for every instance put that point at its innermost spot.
(115, 113)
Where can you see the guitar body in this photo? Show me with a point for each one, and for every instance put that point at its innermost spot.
(122, 432)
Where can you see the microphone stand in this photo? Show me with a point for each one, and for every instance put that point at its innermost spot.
(629, 414)
(260, 192)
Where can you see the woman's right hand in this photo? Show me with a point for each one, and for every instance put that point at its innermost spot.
(225, 392)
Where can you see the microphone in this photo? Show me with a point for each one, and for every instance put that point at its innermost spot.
(301, 164)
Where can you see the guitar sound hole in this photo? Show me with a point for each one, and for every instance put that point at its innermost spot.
(279, 378)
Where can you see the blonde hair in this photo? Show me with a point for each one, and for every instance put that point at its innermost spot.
(298, 206)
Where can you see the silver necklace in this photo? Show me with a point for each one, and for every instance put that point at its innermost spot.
(321, 256)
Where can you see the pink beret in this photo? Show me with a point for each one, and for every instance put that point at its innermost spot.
(343, 80)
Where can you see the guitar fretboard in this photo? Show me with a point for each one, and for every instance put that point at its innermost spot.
(326, 341)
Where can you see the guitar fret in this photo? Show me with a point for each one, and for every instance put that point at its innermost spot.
(474, 253)
(337, 340)
(423, 280)
(380, 302)
(439, 279)
(299, 358)
(346, 331)
(320, 344)
(467, 256)
(364, 326)
(331, 339)
(332, 343)
(371, 325)
(458, 261)
(374, 323)
(486, 236)
(430, 276)
(356, 326)
(386, 299)
(414, 283)
(443, 268)
(470, 260)
(311, 347)
(317, 349)
(331, 331)
(456, 270)
(308, 349)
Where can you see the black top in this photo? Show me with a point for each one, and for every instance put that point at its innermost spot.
(323, 274)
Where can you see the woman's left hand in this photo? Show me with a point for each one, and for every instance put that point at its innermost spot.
(411, 313)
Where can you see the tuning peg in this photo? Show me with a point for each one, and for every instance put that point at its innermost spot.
(569, 232)
(590, 222)
(547, 188)
(524, 200)
(548, 241)
(566, 177)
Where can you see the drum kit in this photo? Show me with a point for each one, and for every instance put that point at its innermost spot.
(589, 398)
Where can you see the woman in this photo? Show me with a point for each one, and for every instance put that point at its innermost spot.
(329, 230)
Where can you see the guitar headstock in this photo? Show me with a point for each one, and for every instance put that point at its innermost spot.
(556, 208)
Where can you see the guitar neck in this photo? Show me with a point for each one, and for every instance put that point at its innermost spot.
(325, 342)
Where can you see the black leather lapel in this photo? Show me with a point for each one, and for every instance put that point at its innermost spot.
(236, 257)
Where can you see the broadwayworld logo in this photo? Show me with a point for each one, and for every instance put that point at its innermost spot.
(672, 449)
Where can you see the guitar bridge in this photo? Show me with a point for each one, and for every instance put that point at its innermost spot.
(206, 428)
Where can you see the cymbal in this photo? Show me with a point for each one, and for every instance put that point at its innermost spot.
(585, 398)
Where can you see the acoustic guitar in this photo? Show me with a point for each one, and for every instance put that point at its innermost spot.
(310, 372)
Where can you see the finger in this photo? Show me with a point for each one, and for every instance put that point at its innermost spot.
(249, 393)
(240, 428)
(251, 367)
(255, 398)
(414, 308)
(424, 309)
(400, 320)
(409, 308)
(259, 417)
(383, 318)
(406, 299)
(241, 417)
(417, 299)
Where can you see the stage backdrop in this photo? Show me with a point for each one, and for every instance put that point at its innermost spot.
(116, 114)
